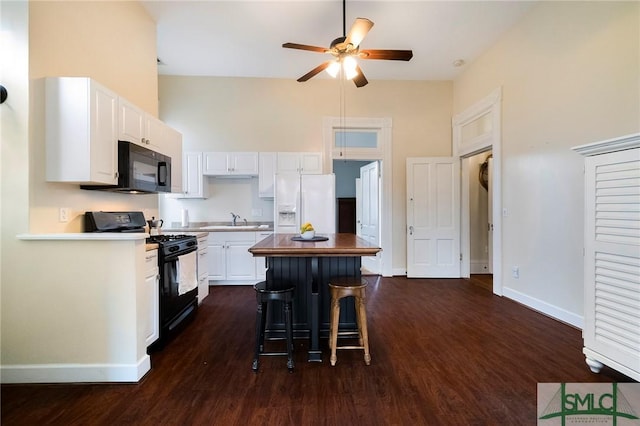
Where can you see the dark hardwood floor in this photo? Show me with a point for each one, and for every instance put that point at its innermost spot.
(443, 352)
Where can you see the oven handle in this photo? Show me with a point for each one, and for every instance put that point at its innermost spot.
(174, 256)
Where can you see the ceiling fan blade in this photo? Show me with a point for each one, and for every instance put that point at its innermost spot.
(304, 47)
(314, 71)
(392, 55)
(358, 31)
(360, 80)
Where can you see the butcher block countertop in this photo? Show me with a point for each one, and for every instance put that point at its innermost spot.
(281, 245)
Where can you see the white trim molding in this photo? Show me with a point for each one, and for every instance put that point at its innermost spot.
(610, 145)
(383, 153)
(491, 106)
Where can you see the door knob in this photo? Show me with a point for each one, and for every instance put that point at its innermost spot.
(410, 230)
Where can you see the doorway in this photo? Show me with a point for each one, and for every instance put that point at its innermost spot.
(357, 202)
(366, 139)
(480, 219)
(478, 130)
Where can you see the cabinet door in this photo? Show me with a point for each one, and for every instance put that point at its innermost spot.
(288, 162)
(215, 163)
(240, 263)
(193, 183)
(266, 174)
(203, 271)
(216, 263)
(173, 142)
(155, 134)
(104, 144)
(131, 122)
(243, 163)
(261, 268)
(151, 302)
(81, 134)
(311, 163)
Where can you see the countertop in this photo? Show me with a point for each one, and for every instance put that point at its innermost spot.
(219, 227)
(281, 245)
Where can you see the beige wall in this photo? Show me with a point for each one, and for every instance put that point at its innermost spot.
(569, 76)
(248, 114)
(57, 38)
(113, 42)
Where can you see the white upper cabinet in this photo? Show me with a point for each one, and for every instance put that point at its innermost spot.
(131, 123)
(230, 163)
(307, 163)
(81, 131)
(193, 184)
(141, 128)
(173, 141)
(83, 123)
(266, 174)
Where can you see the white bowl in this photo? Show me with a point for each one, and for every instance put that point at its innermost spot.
(308, 235)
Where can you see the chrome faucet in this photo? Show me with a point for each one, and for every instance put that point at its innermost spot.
(235, 217)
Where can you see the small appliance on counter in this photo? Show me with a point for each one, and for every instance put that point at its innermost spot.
(178, 300)
(155, 225)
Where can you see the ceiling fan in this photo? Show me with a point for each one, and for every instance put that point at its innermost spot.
(346, 49)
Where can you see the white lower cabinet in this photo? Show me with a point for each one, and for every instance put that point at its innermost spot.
(261, 264)
(229, 259)
(151, 299)
(203, 268)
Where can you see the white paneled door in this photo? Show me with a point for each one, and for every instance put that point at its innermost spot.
(433, 217)
(370, 213)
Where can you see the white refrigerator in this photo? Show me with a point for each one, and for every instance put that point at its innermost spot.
(304, 198)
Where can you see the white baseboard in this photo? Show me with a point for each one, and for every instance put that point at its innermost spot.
(399, 272)
(479, 267)
(544, 307)
(75, 373)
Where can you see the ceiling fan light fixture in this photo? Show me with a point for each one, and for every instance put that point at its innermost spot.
(350, 67)
(346, 49)
(333, 69)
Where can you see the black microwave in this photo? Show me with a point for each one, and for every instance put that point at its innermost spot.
(140, 171)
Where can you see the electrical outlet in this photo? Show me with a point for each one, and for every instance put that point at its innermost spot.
(256, 212)
(515, 271)
(505, 212)
(63, 214)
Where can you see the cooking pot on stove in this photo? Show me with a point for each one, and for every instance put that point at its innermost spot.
(155, 225)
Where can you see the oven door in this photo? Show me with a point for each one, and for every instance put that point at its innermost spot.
(175, 308)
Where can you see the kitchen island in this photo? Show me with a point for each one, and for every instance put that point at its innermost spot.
(309, 265)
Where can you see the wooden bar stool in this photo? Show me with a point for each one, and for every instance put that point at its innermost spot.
(341, 287)
(263, 297)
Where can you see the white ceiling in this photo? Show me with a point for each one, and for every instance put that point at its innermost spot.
(241, 38)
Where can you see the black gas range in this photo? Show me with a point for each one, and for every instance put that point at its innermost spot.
(177, 307)
(172, 245)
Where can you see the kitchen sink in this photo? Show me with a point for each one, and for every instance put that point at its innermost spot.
(232, 227)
